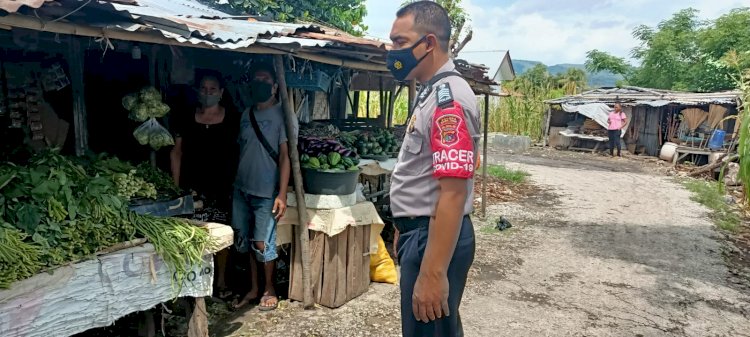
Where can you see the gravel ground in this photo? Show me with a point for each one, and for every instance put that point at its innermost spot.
(605, 247)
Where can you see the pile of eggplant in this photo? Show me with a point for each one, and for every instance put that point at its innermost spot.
(326, 154)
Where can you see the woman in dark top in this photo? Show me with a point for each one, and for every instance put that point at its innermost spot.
(204, 158)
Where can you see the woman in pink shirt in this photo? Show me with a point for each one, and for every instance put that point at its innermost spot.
(616, 122)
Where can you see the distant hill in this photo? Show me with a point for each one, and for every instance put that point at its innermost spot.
(595, 80)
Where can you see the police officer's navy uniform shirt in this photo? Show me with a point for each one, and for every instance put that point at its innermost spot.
(440, 141)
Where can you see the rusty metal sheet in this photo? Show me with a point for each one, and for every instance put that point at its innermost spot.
(12, 6)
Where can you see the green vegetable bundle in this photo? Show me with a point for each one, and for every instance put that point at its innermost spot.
(145, 104)
(143, 181)
(152, 133)
(54, 212)
(18, 259)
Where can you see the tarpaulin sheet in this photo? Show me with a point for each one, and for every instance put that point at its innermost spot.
(599, 113)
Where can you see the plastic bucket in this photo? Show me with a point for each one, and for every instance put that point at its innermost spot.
(717, 140)
(668, 151)
(329, 183)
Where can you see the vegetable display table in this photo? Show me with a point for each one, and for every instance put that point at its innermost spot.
(95, 293)
(374, 168)
(341, 242)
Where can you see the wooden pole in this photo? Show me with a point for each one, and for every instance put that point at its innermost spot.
(198, 324)
(484, 154)
(304, 237)
(412, 98)
(391, 106)
(545, 132)
(79, 101)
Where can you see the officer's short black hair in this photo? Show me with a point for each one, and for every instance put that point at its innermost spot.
(263, 67)
(430, 18)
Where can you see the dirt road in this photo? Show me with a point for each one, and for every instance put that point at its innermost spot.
(604, 250)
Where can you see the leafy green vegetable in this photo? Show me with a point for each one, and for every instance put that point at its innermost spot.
(54, 211)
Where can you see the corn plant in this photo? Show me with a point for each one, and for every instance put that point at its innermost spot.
(743, 83)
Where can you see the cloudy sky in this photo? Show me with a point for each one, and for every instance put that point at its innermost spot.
(553, 31)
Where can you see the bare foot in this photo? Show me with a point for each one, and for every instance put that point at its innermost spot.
(251, 296)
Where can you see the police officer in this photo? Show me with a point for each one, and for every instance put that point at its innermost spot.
(432, 184)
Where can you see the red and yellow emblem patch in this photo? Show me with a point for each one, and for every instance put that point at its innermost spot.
(448, 126)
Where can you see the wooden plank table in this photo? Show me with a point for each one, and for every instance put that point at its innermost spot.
(681, 152)
(96, 292)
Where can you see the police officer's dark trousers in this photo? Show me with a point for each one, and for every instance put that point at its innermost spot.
(411, 246)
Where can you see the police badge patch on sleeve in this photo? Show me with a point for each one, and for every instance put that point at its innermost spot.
(444, 95)
(448, 127)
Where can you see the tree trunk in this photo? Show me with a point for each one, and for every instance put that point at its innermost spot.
(710, 167)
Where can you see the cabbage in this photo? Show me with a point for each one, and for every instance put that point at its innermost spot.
(129, 102)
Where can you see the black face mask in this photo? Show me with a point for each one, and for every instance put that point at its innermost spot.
(261, 91)
(402, 62)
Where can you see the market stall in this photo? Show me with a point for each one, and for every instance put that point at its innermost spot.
(121, 280)
(321, 77)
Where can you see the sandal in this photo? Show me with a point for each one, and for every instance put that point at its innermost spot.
(223, 293)
(264, 303)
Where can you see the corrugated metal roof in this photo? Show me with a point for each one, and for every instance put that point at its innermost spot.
(179, 8)
(643, 96)
(12, 6)
(190, 22)
(185, 17)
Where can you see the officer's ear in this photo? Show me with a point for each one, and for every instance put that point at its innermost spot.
(431, 42)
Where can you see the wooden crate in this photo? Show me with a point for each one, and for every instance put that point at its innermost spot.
(340, 266)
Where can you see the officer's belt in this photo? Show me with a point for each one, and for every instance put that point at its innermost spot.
(405, 225)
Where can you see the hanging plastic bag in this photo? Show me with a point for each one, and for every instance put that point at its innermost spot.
(154, 134)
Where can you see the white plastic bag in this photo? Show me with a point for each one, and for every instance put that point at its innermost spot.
(154, 134)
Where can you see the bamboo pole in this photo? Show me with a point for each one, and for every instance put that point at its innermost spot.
(304, 237)
(79, 97)
(484, 155)
(545, 134)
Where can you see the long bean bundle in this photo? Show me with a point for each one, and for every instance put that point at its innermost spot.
(18, 259)
(180, 244)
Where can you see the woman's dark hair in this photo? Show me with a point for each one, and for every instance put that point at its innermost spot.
(226, 99)
(212, 76)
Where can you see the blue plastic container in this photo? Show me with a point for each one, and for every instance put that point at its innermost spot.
(717, 140)
(166, 208)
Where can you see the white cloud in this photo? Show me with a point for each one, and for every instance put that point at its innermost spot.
(555, 32)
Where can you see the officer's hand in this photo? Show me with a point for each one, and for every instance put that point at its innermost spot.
(279, 207)
(430, 297)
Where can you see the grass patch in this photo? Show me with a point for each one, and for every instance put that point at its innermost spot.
(505, 174)
(708, 194)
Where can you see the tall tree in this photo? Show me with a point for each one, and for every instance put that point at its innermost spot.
(538, 76)
(572, 81)
(346, 15)
(683, 53)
